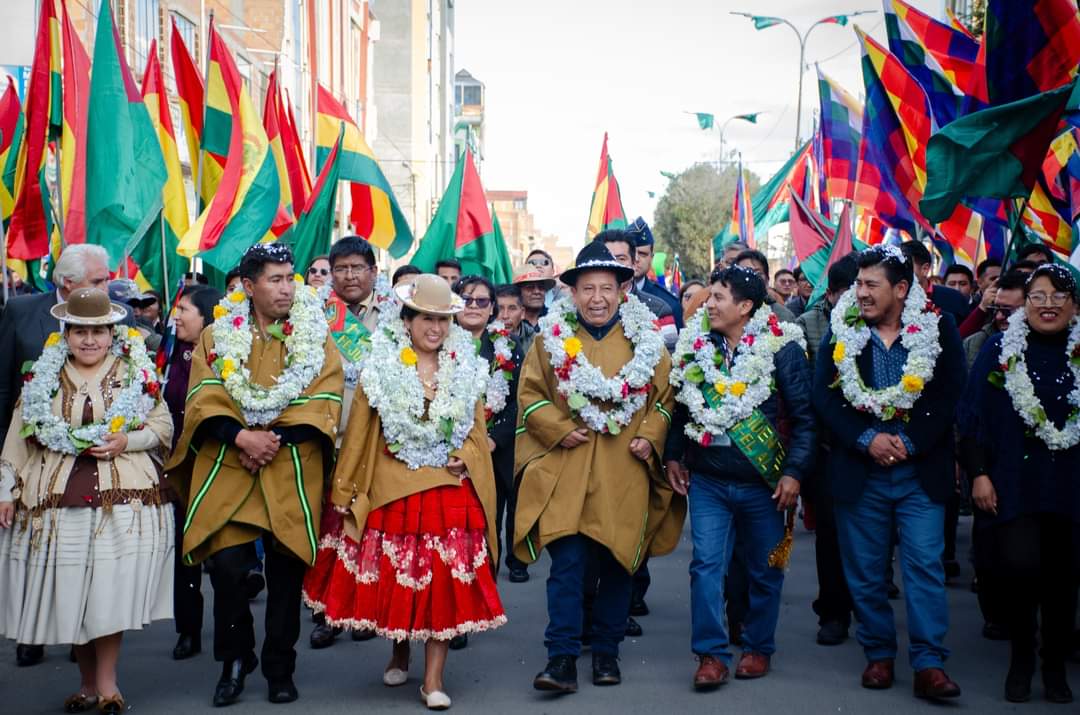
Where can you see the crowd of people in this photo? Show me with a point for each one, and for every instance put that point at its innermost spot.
(376, 449)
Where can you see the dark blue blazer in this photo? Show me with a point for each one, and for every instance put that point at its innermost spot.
(653, 288)
(952, 302)
(930, 428)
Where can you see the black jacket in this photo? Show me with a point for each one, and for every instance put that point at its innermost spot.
(504, 422)
(793, 383)
(930, 428)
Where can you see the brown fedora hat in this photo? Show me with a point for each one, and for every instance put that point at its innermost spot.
(88, 306)
(430, 294)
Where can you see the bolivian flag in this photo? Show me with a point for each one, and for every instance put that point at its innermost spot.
(606, 210)
(190, 91)
(11, 136)
(76, 97)
(243, 209)
(375, 213)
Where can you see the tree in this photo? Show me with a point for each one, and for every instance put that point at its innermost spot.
(693, 209)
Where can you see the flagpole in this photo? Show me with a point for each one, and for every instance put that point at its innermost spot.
(1014, 229)
(206, 92)
(164, 264)
(3, 260)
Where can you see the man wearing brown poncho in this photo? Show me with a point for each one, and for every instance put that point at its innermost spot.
(252, 459)
(591, 486)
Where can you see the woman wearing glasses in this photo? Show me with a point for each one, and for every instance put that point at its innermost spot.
(1020, 439)
(318, 273)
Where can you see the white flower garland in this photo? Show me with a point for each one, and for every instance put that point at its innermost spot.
(583, 385)
(393, 387)
(919, 336)
(748, 383)
(384, 299)
(502, 370)
(304, 334)
(1022, 392)
(129, 409)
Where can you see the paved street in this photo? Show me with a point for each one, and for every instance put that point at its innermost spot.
(494, 674)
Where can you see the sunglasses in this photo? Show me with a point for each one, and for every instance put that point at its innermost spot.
(1004, 310)
(539, 262)
(319, 271)
(478, 302)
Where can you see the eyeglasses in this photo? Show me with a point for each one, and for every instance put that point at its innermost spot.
(478, 302)
(1004, 310)
(318, 271)
(346, 271)
(1056, 299)
(539, 262)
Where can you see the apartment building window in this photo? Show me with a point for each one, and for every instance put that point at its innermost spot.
(147, 29)
(471, 94)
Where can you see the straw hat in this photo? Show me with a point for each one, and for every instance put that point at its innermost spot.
(88, 306)
(429, 294)
(528, 274)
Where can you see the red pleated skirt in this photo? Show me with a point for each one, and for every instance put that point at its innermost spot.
(421, 570)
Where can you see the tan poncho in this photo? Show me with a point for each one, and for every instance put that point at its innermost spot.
(598, 489)
(41, 475)
(367, 476)
(228, 505)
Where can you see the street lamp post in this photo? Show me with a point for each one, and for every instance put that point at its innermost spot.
(762, 22)
(752, 118)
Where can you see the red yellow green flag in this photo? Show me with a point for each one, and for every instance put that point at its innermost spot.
(244, 208)
(76, 96)
(11, 137)
(606, 210)
(375, 212)
(28, 235)
(190, 91)
(273, 120)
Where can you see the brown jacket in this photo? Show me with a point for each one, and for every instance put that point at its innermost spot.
(367, 476)
(228, 505)
(598, 489)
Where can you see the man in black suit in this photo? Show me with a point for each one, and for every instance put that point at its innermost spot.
(25, 325)
(946, 299)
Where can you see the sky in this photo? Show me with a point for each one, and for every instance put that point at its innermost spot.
(559, 73)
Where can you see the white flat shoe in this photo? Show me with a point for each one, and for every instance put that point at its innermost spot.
(395, 677)
(437, 700)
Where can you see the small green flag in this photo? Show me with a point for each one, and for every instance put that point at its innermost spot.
(760, 22)
(752, 118)
(705, 121)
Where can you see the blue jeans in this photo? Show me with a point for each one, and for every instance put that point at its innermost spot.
(865, 529)
(718, 510)
(571, 558)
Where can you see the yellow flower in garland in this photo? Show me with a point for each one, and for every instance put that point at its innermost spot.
(237, 296)
(228, 367)
(838, 352)
(572, 346)
(220, 312)
(117, 423)
(297, 278)
(738, 389)
(53, 340)
(133, 333)
(720, 387)
(912, 383)
(408, 356)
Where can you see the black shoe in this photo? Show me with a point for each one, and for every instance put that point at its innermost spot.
(639, 608)
(518, 574)
(363, 635)
(832, 633)
(1057, 689)
(994, 632)
(605, 669)
(633, 628)
(952, 569)
(255, 584)
(894, 591)
(282, 691)
(27, 655)
(231, 683)
(459, 642)
(1018, 685)
(322, 636)
(559, 676)
(187, 646)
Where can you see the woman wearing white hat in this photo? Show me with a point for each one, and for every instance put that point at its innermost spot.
(410, 552)
(86, 545)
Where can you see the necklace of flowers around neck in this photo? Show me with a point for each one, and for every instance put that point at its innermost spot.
(1022, 392)
(918, 335)
(583, 385)
(393, 387)
(744, 387)
(304, 334)
(383, 298)
(129, 409)
(502, 370)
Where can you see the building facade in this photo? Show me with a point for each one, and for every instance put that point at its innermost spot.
(520, 231)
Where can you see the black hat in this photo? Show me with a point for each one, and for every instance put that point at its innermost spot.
(596, 257)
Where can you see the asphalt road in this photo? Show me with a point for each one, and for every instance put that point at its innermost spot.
(494, 674)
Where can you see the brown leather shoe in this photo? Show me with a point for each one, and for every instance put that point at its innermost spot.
(878, 675)
(933, 683)
(711, 673)
(752, 665)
